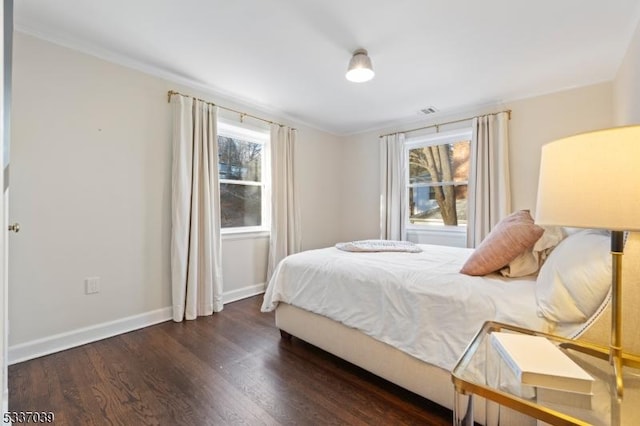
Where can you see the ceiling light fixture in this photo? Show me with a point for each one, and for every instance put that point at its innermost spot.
(360, 68)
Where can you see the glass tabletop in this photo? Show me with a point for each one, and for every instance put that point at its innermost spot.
(483, 371)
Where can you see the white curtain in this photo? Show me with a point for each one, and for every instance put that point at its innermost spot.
(196, 262)
(489, 196)
(285, 216)
(393, 205)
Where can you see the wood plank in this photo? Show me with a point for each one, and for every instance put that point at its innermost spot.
(230, 368)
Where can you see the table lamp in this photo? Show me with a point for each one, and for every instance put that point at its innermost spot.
(592, 180)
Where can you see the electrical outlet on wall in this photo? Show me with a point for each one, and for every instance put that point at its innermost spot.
(92, 285)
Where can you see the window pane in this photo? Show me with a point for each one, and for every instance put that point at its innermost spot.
(240, 205)
(439, 163)
(438, 205)
(239, 159)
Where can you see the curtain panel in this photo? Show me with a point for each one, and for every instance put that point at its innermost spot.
(392, 187)
(196, 261)
(286, 235)
(489, 198)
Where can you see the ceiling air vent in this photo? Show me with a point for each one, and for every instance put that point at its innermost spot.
(428, 110)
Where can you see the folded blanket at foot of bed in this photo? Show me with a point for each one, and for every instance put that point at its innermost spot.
(379, 245)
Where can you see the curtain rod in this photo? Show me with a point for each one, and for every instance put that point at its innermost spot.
(242, 114)
(437, 126)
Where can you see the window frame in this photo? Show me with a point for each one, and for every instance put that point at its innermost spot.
(421, 141)
(261, 136)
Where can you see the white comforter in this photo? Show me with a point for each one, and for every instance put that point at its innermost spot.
(416, 302)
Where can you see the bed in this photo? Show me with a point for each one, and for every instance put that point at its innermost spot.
(407, 317)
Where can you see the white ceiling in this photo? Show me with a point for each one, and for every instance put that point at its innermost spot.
(289, 57)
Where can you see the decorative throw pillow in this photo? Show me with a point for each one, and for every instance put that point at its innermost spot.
(511, 236)
(531, 260)
(576, 277)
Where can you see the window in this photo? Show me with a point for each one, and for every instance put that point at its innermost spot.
(437, 180)
(243, 172)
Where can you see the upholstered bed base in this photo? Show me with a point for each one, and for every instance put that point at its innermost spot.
(426, 380)
(429, 381)
(358, 348)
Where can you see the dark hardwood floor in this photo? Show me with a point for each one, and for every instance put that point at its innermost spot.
(229, 369)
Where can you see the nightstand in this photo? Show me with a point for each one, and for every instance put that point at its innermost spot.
(481, 371)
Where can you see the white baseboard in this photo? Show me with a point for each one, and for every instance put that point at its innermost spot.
(70, 339)
(60, 342)
(243, 293)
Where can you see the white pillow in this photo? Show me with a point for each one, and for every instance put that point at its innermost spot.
(575, 278)
(531, 260)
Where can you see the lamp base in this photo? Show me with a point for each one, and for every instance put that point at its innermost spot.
(615, 358)
(614, 353)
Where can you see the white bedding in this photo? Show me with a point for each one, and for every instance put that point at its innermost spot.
(416, 302)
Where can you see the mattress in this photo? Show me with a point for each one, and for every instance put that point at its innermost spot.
(416, 302)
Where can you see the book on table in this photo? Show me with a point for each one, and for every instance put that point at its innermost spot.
(560, 397)
(536, 361)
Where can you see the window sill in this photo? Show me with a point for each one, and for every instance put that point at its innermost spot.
(244, 234)
(431, 229)
(455, 236)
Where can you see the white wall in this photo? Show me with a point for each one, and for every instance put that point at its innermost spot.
(534, 122)
(320, 178)
(90, 177)
(626, 88)
(542, 119)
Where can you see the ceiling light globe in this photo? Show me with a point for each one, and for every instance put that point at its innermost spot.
(360, 75)
(360, 68)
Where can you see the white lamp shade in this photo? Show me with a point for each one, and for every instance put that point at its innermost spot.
(591, 180)
(360, 68)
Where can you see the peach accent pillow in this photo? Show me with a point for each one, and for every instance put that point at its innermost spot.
(512, 236)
